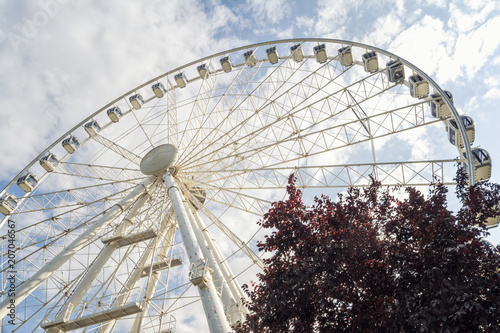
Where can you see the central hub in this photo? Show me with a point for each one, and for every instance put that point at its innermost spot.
(159, 159)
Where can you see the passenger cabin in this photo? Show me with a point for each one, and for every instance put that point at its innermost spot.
(114, 114)
(395, 71)
(454, 135)
(370, 62)
(226, 64)
(272, 55)
(320, 53)
(71, 144)
(159, 89)
(250, 58)
(482, 164)
(181, 80)
(490, 247)
(297, 53)
(27, 182)
(92, 128)
(419, 88)
(439, 108)
(49, 162)
(345, 55)
(8, 204)
(137, 101)
(200, 195)
(492, 222)
(203, 71)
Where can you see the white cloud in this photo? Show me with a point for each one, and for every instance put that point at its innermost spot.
(333, 15)
(269, 11)
(468, 15)
(55, 74)
(493, 93)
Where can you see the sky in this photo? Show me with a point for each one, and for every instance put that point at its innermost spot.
(61, 60)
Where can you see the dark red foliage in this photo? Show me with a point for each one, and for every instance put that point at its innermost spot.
(369, 262)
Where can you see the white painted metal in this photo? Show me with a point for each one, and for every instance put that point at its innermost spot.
(229, 300)
(31, 284)
(167, 230)
(228, 276)
(239, 137)
(102, 258)
(212, 304)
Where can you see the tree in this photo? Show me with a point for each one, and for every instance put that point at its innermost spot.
(369, 262)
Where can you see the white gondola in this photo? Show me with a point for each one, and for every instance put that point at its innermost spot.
(71, 144)
(395, 71)
(419, 88)
(159, 89)
(92, 128)
(492, 222)
(272, 55)
(27, 182)
(226, 64)
(137, 101)
(439, 108)
(482, 164)
(297, 53)
(370, 62)
(200, 195)
(49, 162)
(8, 204)
(203, 71)
(250, 58)
(320, 53)
(114, 114)
(345, 55)
(181, 80)
(490, 247)
(454, 135)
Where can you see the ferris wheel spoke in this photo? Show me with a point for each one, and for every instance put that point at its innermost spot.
(238, 134)
(231, 101)
(170, 115)
(411, 173)
(197, 117)
(251, 106)
(103, 173)
(337, 134)
(331, 102)
(90, 195)
(243, 246)
(31, 284)
(117, 149)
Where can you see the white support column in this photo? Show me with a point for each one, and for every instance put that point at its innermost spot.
(226, 270)
(212, 304)
(228, 299)
(81, 241)
(97, 264)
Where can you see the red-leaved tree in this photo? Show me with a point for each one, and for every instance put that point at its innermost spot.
(369, 262)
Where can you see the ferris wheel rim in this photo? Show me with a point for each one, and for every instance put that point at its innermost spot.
(124, 96)
(434, 85)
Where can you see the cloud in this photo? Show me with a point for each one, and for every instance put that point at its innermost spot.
(73, 65)
(471, 14)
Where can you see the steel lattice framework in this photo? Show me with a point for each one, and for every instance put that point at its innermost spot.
(97, 242)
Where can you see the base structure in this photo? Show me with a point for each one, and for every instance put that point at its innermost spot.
(220, 295)
(204, 267)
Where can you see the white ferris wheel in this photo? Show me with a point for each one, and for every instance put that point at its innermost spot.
(142, 218)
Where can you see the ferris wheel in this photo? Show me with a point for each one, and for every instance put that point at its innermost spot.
(142, 217)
